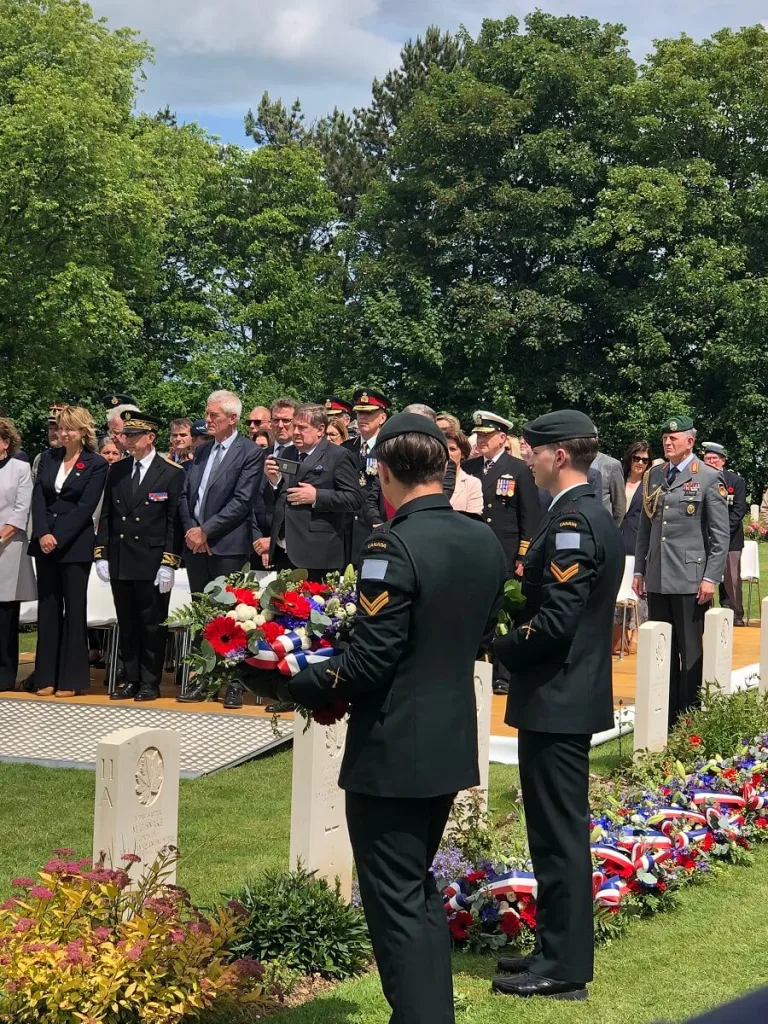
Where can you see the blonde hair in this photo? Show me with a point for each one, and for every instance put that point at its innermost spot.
(340, 425)
(513, 446)
(75, 417)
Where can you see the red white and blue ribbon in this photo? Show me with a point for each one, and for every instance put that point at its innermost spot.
(292, 664)
(264, 658)
(287, 643)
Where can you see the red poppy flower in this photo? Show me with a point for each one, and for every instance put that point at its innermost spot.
(79, 465)
(761, 822)
(458, 925)
(332, 713)
(687, 861)
(225, 635)
(315, 589)
(708, 842)
(661, 887)
(510, 924)
(475, 876)
(324, 642)
(272, 631)
(244, 596)
(695, 741)
(294, 604)
(731, 490)
(757, 779)
(730, 773)
(528, 913)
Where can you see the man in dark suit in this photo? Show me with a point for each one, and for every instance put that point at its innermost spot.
(560, 693)
(281, 414)
(370, 408)
(511, 502)
(218, 496)
(736, 487)
(308, 524)
(137, 551)
(412, 736)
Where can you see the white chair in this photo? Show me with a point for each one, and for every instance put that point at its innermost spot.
(28, 613)
(626, 597)
(181, 595)
(750, 571)
(102, 615)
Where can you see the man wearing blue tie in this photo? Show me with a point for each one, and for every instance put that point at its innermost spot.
(682, 545)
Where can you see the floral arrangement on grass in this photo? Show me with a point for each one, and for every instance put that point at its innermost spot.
(280, 622)
(755, 531)
(646, 845)
(79, 946)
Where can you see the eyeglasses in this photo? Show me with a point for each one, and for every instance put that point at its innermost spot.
(279, 419)
(640, 458)
(254, 423)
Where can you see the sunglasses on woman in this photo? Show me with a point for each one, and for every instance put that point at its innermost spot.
(640, 458)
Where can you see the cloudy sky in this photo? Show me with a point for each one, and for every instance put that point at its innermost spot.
(214, 58)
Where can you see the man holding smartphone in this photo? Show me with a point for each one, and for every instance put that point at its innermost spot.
(314, 484)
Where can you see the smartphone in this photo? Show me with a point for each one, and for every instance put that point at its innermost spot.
(288, 467)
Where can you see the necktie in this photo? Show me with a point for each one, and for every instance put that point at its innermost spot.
(487, 466)
(136, 478)
(218, 453)
(671, 474)
(302, 456)
(363, 449)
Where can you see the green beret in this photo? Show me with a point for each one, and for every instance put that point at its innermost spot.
(676, 424)
(558, 426)
(411, 423)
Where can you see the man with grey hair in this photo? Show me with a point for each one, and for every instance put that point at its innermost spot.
(682, 544)
(216, 504)
(116, 405)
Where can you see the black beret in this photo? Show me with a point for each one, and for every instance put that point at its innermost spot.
(411, 423)
(559, 426)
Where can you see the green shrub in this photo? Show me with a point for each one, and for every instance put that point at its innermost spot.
(302, 922)
(720, 726)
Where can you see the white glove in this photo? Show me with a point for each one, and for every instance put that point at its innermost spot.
(102, 570)
(164, 579)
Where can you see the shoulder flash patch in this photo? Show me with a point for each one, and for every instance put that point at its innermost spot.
(377, 545)
(723, 492)
(568, 522)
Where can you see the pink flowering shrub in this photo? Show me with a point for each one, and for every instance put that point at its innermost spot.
(78, 945)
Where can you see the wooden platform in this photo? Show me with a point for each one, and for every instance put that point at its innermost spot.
(746, 652)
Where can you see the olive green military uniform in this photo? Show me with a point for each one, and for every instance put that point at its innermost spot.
(682, 539)
(560, 693)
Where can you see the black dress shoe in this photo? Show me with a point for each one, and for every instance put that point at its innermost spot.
(527, 985)
(146, 693)
(29, 685)
(280, 708)
(514, 964)
(738, 622)
(195, 695)
(501, 688)
(125, 691)
(233, 696)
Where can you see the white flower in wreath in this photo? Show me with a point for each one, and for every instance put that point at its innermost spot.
(248, 625)
(245, 612)
(319, 601)
(232, 614)
(259, 620)
(350, 608)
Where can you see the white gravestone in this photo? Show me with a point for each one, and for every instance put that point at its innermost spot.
(137, 798)
(319, 836)
(764, 645)
(484, 705)
(718, 648)
(654, 650)
(754, 513)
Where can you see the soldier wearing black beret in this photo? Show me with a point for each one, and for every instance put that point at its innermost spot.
(560, 693)
(412, 737)
(137, 550)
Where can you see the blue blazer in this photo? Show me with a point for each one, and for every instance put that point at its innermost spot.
(69, 515)
(227, 513)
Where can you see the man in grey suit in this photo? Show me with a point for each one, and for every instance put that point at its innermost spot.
(613, 492)
(682, 544)
(218, 496)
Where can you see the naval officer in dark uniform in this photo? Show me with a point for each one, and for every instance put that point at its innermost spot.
(137, 551)
(430, 587)
(560, 693)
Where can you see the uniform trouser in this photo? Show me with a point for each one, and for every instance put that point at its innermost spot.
(141, 610)
(61, 659)
(554, 777)
(9, 643)
(394, 842)
(730, 589)
(686, 616)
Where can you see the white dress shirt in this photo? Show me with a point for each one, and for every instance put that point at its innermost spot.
(144, 465)
(225, 445)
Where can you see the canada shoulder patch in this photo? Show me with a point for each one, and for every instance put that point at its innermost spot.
(566, 523)
(377, 545)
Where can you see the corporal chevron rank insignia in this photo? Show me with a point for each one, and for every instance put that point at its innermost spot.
(374, 607)
(563, 575)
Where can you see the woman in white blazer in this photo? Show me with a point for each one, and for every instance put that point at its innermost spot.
(468, 493)
(17, 577)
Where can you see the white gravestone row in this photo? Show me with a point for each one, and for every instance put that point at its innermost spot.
(718, 648)
(137, 798)
(654, 647)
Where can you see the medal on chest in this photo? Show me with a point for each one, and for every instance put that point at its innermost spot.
(691, 487)
(371, 466)
(505, 486)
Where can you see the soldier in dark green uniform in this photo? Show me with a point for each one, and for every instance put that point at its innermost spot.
(560, 693)
(430, 587)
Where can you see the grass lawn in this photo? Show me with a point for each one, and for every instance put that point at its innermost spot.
(235, 824)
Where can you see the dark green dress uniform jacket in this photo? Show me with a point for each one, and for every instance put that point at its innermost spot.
(430, 589)
(559, 656)
(139, 533)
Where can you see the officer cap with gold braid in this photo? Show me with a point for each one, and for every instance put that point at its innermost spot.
(140, 423)
(366, 400)
(488, 423)
(335, 406)
(563, 425)
(113, 399)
